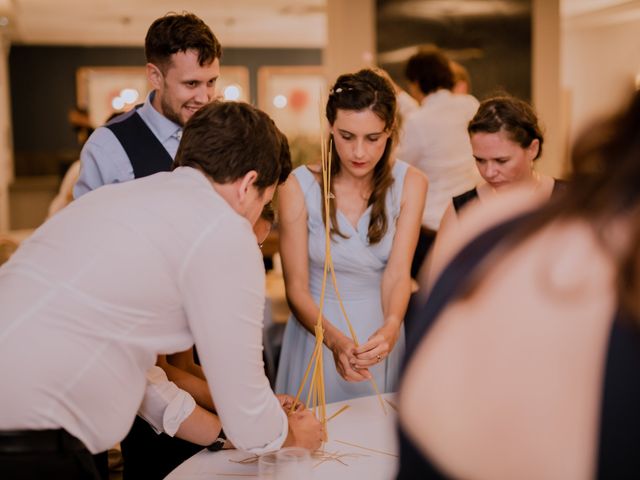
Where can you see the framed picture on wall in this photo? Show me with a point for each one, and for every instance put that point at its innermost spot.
(233, 83)
(104, 90)
(294, 97)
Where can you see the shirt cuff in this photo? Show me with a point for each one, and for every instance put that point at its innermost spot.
(164, 406)
(273, 445)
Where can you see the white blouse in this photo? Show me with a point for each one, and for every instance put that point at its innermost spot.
(123, 274)
(435, 140)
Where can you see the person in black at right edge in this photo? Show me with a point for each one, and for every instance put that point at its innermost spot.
(526, 363)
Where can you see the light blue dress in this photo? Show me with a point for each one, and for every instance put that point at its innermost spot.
(359, 268)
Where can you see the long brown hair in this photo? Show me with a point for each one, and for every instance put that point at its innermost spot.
(360, 91)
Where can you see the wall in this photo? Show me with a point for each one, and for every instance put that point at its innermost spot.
(350, 44)
(547, 97)
(44, 90)
(6, 158)
(494, 44)
(600, 63)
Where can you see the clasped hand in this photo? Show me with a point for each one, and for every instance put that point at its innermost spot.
(353, 362)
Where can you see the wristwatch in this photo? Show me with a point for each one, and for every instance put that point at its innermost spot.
(218, 443)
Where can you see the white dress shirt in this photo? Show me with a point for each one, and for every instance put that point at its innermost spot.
(121, 275)
(165, 406)
(435, 140)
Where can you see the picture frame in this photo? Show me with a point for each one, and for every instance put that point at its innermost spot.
(98, 87)
(295, 96)
(234, 76)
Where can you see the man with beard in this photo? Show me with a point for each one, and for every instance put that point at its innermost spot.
(183, 64)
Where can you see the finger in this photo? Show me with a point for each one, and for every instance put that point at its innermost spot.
(359, 368)
(365, 364)
(374, 355)
(371, 344)
(358, 375)
(371, 358)
(351, 375)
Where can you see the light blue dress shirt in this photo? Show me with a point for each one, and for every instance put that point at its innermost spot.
(104, 160)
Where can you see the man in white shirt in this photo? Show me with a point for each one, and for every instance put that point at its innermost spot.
(183, 64)
(435, 140)
(139, 269)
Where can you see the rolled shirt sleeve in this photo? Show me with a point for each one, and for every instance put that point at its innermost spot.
(165, 406)
(223, 286)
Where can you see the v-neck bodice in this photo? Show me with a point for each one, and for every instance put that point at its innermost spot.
(359, 266)
(360, 263)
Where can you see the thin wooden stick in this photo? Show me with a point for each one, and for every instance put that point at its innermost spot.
(237, 474)
(393, 405)
(338, 413)
(246, 461)
(367, 448)
(316, 394)
(353, 333)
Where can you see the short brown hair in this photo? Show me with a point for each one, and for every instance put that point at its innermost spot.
(430, 68)
(226, 140)
(175, 33)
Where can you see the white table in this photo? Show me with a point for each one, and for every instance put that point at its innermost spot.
(363, 424)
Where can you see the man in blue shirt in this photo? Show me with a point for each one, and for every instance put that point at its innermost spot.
(183, 64)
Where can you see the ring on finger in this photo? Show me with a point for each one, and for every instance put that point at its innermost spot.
(378, 357)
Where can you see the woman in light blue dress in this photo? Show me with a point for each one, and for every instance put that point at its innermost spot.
(376, 212)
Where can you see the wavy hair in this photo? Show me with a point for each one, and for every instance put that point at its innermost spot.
(365, 90)
(175, 33)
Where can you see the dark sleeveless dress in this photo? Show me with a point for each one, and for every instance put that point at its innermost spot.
(464, 198)
(619, 434)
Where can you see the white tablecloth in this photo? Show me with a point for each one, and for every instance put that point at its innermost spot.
(363, 424)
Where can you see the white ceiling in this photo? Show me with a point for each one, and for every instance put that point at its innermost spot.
(241, 23)
(236, 23)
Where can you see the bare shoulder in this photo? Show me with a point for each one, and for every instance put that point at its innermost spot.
(290, 200)
(415, 183)
(415, 177)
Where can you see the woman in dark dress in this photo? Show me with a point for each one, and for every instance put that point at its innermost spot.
(525, 362)
(506, 140)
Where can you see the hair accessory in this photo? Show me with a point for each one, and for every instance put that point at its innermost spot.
(340, 90)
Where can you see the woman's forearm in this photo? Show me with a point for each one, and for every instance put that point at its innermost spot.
(306, 311)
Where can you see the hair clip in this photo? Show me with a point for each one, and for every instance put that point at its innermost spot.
(340, 90)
